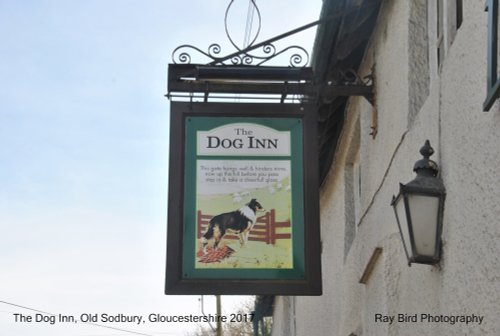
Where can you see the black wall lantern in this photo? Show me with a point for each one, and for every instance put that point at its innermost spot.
(419, 211)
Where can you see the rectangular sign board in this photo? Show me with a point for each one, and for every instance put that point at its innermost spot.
(243, 213)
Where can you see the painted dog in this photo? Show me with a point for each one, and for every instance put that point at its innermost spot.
(239, 221)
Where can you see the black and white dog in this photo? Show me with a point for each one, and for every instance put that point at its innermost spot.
(239, 221)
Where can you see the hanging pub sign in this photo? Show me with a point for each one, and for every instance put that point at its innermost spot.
(243, 214)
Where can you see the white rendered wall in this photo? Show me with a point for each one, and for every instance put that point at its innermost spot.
(467, 145)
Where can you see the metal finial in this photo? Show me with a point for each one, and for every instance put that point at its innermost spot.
(426, 149)
(426, 166)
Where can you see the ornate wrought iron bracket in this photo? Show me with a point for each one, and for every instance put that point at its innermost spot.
(201, 82)
(244, 75)
(243, 56)
(284, 84)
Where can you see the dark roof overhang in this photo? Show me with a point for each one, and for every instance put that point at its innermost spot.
(339, 47)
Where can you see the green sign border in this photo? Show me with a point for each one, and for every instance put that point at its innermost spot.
(192, 126)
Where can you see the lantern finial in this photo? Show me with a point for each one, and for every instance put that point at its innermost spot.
(426, 166)
(426, 149)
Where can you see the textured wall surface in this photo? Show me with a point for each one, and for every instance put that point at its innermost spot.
(414, 103)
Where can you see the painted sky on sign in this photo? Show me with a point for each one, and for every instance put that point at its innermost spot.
(84, 153)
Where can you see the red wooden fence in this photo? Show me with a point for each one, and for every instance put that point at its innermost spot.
(264, 229)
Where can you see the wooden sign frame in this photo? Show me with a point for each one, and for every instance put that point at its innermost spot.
(218, 164)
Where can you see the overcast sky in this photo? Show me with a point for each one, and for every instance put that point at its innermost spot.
(84, 153)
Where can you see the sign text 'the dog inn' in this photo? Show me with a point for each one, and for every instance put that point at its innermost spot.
(243, 200)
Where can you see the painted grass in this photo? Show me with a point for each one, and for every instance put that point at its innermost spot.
(253, 254)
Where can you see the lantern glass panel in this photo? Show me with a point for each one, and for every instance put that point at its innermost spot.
(424, 217)
(403, 224)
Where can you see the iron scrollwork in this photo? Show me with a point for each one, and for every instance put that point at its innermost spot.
(299, 56)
